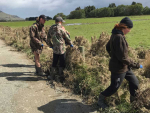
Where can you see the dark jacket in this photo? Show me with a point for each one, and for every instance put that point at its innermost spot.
(117, 47)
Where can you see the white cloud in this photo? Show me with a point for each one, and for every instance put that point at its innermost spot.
(54, 4)
(43, 4)
(50, 5)
(15, 3)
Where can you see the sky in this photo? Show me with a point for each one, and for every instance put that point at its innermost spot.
(33, 8)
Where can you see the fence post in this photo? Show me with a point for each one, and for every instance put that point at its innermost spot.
(4, 30)
(17, 33)
(82, 51)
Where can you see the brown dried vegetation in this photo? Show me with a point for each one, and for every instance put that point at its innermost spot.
(90, 75)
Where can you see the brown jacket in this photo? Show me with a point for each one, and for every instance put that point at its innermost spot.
(117, 48)
(37, 35)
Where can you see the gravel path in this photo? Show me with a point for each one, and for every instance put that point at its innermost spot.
(22, 92)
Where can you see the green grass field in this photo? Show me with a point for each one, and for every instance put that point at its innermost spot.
(138, 37)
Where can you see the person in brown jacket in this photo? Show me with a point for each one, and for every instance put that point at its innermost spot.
(120, 65)
(37, 35)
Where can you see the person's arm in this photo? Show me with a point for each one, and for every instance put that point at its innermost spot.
(67, 38)
(121, 51)
(49, 39)
(108, 48)
(32, 35)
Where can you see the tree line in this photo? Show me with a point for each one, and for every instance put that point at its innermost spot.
(34, 18)
(111, 11)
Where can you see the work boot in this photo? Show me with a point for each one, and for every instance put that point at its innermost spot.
(61, 75)
(132, 98)
(101, 102)
(40, 72)
(52, 73)
(36, 70)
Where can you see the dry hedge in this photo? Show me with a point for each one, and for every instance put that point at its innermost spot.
(89, 77)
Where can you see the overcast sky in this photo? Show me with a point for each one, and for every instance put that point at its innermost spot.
(28, 8)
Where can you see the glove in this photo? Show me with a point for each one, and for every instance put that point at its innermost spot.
(42, 45)
(71, 45)
(141, 66)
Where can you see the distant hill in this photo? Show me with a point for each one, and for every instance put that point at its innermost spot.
(7, 17)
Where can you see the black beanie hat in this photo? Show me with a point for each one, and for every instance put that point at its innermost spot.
(127, 21)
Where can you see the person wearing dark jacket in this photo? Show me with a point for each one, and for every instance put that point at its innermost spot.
(120, 65)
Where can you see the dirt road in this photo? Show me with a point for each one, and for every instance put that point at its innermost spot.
(23, 92)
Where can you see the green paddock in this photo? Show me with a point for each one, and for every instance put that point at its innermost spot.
(138, 37)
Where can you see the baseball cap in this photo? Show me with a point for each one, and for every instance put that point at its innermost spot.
(42, 16)
(59, 19)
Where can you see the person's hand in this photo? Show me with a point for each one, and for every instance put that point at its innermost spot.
(42, 45)
(141, 66)
(71, 45)
(67, 32)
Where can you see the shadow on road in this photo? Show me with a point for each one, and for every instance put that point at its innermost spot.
(9, 74)
(24, 78)
(67, 106)
(17, 65)
(20, 76)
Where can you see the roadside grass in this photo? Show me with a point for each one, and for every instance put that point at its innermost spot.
(87, 80)
(93, 77)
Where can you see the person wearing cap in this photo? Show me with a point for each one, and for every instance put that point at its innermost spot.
(57, 36)
(120, 65)
(37, 36)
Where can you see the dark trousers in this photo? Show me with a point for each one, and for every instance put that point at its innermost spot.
(116, 80)
(60, 58)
